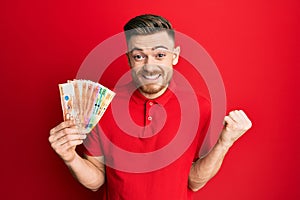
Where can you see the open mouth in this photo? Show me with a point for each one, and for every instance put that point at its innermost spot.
(151, 77)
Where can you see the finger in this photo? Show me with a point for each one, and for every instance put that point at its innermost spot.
(63, 149)
(242, 120)
(67, 131)
(232, 124)
(69, 138)
(234, 116)
(58, 143)
(229, 121)
(247, 120)
(244, 115)
(68, 116)
(240, 117)
(61, 126)
(70, 144)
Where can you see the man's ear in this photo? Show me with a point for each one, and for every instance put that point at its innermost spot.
(176, 55)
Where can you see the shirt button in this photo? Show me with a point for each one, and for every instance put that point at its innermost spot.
(149, 118)
(150, 103)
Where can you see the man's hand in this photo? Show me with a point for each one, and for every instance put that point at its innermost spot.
(64, 138)
(236, 124)
(89, 171)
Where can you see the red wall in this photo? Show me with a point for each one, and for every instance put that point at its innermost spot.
(255, 45)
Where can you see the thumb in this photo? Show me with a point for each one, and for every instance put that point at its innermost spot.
(68, 116)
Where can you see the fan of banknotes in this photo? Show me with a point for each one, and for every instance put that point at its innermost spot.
(84, 101)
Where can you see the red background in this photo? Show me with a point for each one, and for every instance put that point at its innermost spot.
(255, 45)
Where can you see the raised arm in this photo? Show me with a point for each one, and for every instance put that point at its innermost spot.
(236, 124)
(89, 171)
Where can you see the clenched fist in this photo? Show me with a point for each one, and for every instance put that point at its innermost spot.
(235, 125)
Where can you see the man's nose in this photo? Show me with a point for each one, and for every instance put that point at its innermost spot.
(150, 60)
(149, 67)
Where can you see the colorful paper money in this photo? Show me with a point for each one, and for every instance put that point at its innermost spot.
(85, 101)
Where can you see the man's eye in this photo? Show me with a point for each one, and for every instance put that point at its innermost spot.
(138, 57)
(160, 55)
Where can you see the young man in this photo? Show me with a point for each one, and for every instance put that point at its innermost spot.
(155, 110)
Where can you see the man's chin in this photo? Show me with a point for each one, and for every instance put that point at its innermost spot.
(151, 88)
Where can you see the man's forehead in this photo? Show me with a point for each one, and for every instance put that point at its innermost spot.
(159, 39)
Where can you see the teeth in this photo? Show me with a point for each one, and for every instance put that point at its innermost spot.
(152, 77)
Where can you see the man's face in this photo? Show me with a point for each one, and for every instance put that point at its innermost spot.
(151, 58)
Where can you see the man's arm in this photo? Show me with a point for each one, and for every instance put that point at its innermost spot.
(89, 171)
(236, 124)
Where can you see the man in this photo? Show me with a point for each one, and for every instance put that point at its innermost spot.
(155, 110)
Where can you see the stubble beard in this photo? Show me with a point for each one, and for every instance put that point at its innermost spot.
(151, 88)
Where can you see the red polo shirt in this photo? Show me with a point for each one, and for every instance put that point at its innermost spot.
(148, 154)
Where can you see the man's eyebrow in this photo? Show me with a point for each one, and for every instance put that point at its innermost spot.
(160, 47)
(156, 47)
(136, 49)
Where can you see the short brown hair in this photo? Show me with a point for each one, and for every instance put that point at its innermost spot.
(148, 24)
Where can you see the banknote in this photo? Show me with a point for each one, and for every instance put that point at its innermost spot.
(67, 100)
(85, 101)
